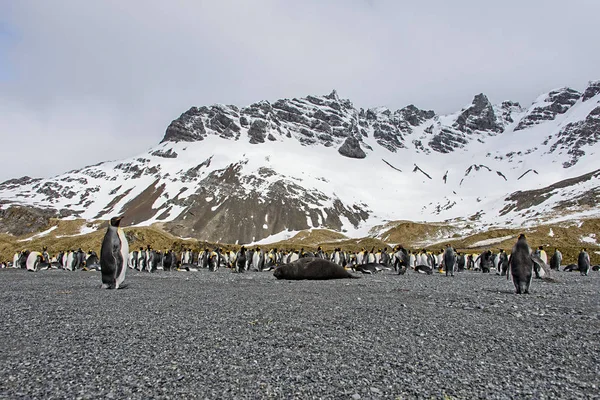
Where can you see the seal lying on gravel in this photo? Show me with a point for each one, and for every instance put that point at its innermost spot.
(311, 268)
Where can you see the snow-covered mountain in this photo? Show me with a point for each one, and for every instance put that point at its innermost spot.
(230, 174)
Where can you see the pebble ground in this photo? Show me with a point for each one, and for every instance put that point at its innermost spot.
(236, 336)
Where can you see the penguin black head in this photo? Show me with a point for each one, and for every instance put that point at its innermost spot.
(116, 221)
(522, 236)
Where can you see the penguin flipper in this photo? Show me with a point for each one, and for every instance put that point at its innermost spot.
(537, 260)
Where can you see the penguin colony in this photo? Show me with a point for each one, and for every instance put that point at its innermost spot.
(522, 264)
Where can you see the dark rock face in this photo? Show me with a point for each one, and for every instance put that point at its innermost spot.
(257, 131)
(15, 183)
(479, 116)
(351, 148)
(557, 102)
(415, 116)
(592, 90)
(389, 129)
(388, 137)
(447, 141)
(576, 135)
(508, 109)
(326, 120)
(25, 220)
(187, 128)
(165, 154)
(193, 125)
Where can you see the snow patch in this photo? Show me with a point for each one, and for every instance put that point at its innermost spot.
(38, 235)
(84, 230)
(278, 237)
(488, 242)
(591, 239)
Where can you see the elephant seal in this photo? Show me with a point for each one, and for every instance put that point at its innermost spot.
(313, 268)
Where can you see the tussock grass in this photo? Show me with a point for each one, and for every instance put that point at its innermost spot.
(410, 234)
(566, 237)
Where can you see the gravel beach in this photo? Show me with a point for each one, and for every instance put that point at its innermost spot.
(225, 335)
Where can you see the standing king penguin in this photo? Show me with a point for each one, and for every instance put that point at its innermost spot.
(521, 265)
(113, 255)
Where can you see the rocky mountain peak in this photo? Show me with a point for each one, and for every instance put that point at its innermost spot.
(333, 95)
(592, 90)
(415, 116)
(479, 116)
(547, 107)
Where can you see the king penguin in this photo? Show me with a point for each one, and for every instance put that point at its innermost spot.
(113, 255)
(33, 261)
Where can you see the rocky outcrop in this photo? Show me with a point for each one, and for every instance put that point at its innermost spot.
(197, 122)
(556, 102)
(257, 131)
(592, 90)
(507, 111)
(25, 220)
(351, 148)
(165, 154)
(187, 128)
(574, 136)
(15, 183)
(447, 141)
(479, 116)
(415, 116)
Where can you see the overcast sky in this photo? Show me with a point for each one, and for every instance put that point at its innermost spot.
(89, 81)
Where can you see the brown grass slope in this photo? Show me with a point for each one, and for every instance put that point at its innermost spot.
(565, 236)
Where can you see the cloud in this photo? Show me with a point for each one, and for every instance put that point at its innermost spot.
(104, 79)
